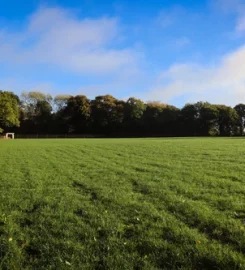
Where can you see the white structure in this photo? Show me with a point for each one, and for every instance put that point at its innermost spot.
(9, 136)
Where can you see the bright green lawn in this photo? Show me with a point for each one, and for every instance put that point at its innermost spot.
(122, 204)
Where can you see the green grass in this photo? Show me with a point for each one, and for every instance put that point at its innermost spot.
(122, 204)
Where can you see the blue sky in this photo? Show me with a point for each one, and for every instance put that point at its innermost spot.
(162, 50)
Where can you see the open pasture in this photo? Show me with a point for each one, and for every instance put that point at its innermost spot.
(122, 204)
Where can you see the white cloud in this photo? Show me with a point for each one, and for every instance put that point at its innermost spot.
(223, 82)
(56, 36)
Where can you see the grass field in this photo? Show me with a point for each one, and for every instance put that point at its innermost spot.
(122, 204)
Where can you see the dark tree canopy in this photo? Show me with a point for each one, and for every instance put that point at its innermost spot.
(240, 109)
(38, 113)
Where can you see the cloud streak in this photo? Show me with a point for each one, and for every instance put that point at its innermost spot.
(223, 82)
(57, 37)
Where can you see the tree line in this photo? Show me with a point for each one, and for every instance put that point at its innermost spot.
(39, 113)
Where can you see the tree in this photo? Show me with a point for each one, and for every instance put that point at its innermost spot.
(134, 109)
(189, 120)
(169, 118)
(133, 115)
(157, 118)
(29, 101)
(119, 115)
(208, 118)
(9, 110)
(43, 116)
(227, 120)
(200, 118)
(240, 109)
(107, 113)
(60, 102)
(36, 110)
(77, 114)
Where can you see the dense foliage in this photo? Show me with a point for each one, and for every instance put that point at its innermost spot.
(39, 113)
(9, 110)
